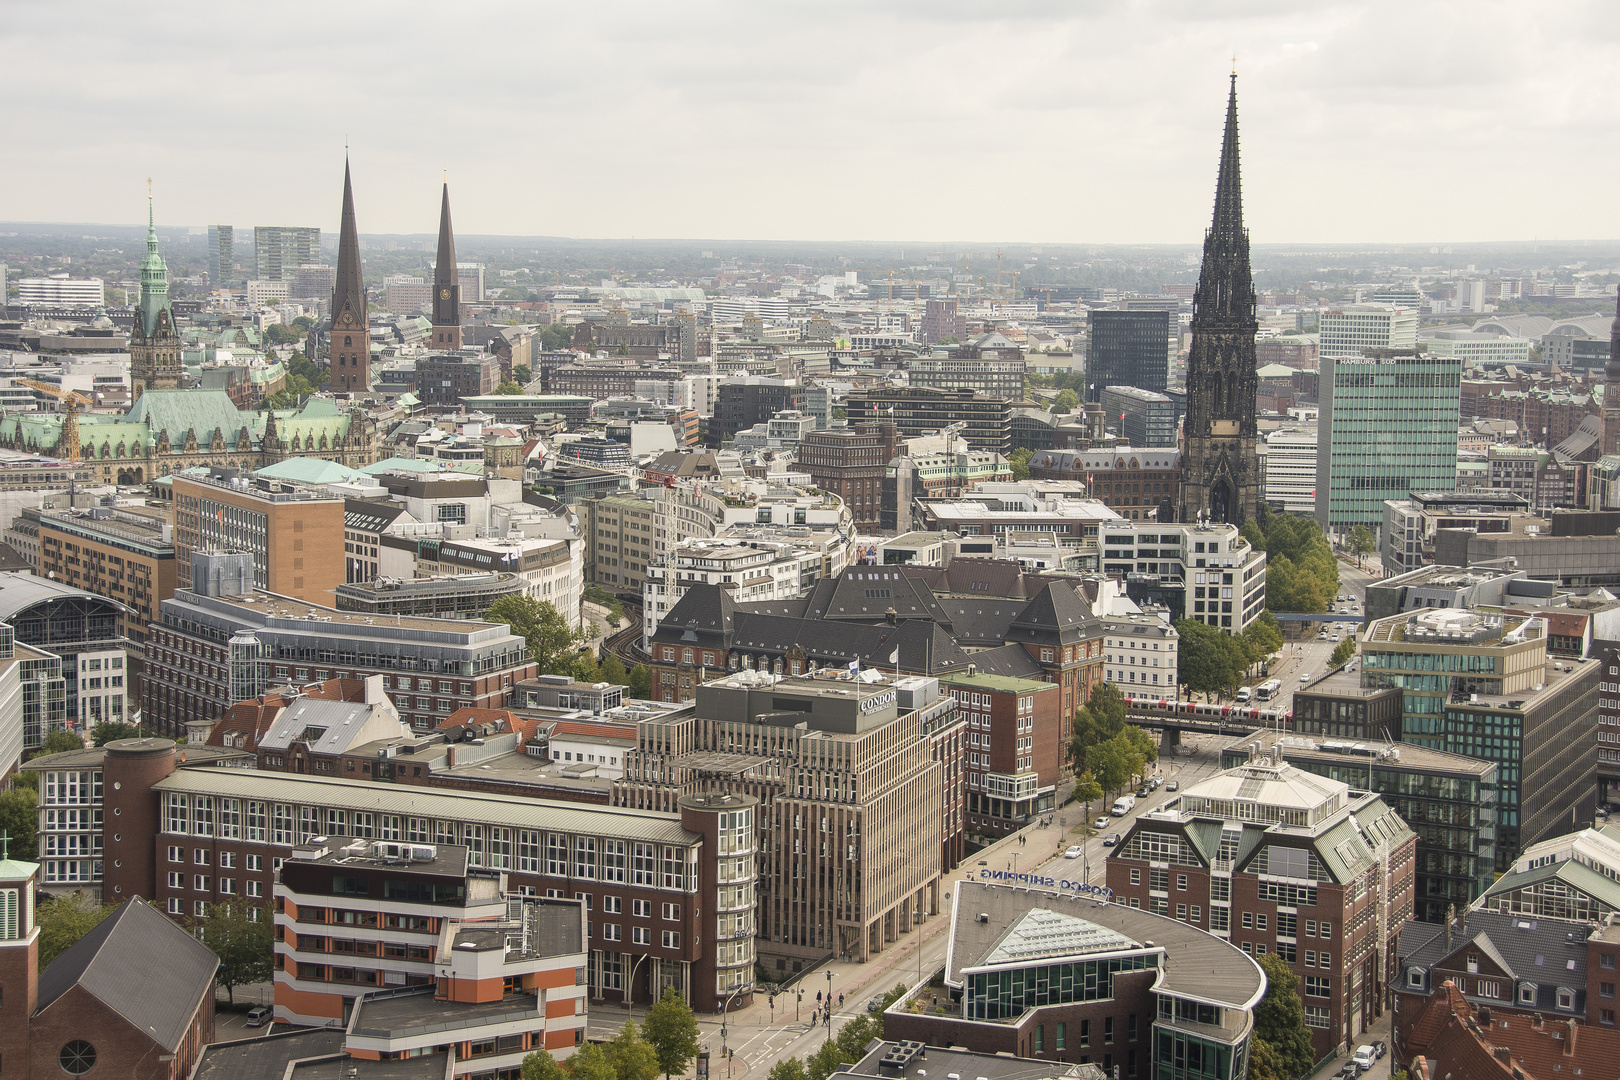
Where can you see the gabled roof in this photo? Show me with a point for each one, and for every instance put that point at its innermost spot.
(867, 593)
(1055, 617)
(309, 471)
(1550, 953)
(704, 615)
(140, 965)
(1013, 661)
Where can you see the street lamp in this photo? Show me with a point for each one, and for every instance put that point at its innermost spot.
(917, 920)
(723, 1007)
(829, 998)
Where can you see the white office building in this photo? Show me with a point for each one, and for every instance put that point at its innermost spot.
(1291, 469)
(1350, 330)
(59, 290)
(1478, 350)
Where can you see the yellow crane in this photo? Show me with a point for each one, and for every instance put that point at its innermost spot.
(67, 443)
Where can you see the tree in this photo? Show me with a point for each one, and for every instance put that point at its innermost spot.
(509, 388)
(590, 1062)
(64, 921)
(1210, 661)
(1087, 791)
(672, 1031)
(1279, 1019)
(552, 643)
(1265, 635)
(640, 682)
(59, 741)
(113, 730)
(631, 1056)
(540, 1065)
(1099, 719)
(613, 670)
(787, 1069)
(243, 936)
(1343, 651)
(1361, 541)
(522, 374)
(824, 1062)
(1018, 460)
(1301, 573)
(19, 818)
(1065, 403)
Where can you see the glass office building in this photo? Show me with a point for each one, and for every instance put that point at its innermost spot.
(1388, 427)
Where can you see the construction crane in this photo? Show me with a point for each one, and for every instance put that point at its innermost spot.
(67, 443)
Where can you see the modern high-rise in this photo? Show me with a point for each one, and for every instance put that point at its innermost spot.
(1220, 466)
(221, 254)
(1354, 328)
(917, 410)
(1387, 427)
(279, 250)
(1128, 349)
(292, 534)
(1145, 417)
(350, 351)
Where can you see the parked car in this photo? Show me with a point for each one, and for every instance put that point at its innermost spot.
(1174, 785)
(1305, 676)
(1153, 784)
(1143, 791)
(1350, 1071)
(875, 1005)
(1100, 823)
(1379, 1047)
(258, 1016)
(1364, 1057)
(1074, 852)
(1111, 839)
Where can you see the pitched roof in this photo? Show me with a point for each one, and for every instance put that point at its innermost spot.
(1549, 953)
(309, 471)
(1055, 617)
(141, 966)
(704, 615)
(1010, 660)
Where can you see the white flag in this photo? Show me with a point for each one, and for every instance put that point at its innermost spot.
(894, 657)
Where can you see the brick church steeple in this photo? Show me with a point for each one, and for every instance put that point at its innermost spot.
(1220, 469)
(446, 285)
(351, 337)
(1611, 388)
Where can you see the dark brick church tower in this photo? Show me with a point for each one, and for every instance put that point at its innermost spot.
(351, 335)
(446, 285)
(1220, 469)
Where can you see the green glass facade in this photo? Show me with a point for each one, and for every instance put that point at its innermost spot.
(1000, 995)
(1388, 427)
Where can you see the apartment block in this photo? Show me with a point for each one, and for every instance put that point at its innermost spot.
(294, 533)
(620, 539)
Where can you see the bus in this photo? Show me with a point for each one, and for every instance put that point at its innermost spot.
(1269, 689)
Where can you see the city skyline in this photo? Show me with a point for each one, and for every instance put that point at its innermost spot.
(1049, 126)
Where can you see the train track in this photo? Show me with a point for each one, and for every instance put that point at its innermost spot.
(625, 644)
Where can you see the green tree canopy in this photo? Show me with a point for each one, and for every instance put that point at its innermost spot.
(1018, 460)
(1066, 401)
(552, 642)
(1279, 1019)
(1211, 661)
(540, 1065)
(1264, 635)
(59, 741)
(787, 1069)
(1301, 574)
(113, 730)
(508, 388)
(672, 1031)
(1087, 791)
(242, 935)
(1343, 651)
(64, 921)
(19, 818)
(631, 1056)
(640, 682)
(522, 374)
(590, 1062)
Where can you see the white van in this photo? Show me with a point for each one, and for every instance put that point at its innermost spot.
(1245, 693)
(1123, 805)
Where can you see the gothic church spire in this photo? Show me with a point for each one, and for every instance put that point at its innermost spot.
(351, 340)
(446, 284)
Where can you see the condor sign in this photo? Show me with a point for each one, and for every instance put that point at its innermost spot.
(1101, 891)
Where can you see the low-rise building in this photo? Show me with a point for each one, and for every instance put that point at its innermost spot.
(1080, 984)
(1140, 648)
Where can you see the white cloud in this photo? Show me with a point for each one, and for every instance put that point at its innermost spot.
(1042, 121)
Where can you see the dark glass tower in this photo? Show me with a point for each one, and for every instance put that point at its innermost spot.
(1220, 470)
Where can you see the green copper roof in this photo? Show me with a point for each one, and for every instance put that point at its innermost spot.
(154, 278)
(305, 470)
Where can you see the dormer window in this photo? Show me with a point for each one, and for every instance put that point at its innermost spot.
(1566, 998)
(1527, 993)
(1414, 978)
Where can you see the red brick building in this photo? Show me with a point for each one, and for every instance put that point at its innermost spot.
(1014, 748)
(1277, 860)
(133, 998)
(850, 462)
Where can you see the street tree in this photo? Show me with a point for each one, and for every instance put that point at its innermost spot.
(1343, 651)
(1087, 791)
(19, 820)
(242, 935)
(590, 1062)
(631, 1056)
(551, 641)
(1361, 541)
(1279, 1018)
(540, 1065)
(787, 1069)
(672, 1031)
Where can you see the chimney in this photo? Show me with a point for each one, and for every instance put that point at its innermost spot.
(892, 616)
(1569, 1043)
(1462, 921)
(1451, 920)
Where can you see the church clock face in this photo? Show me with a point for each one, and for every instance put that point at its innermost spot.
(444, 294)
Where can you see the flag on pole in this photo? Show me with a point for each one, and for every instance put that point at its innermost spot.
(855, 666)
(894, 657)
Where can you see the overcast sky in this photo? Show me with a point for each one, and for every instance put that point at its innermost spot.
(998, 121)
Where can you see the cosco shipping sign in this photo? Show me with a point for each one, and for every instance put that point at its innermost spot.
(1011, 878)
